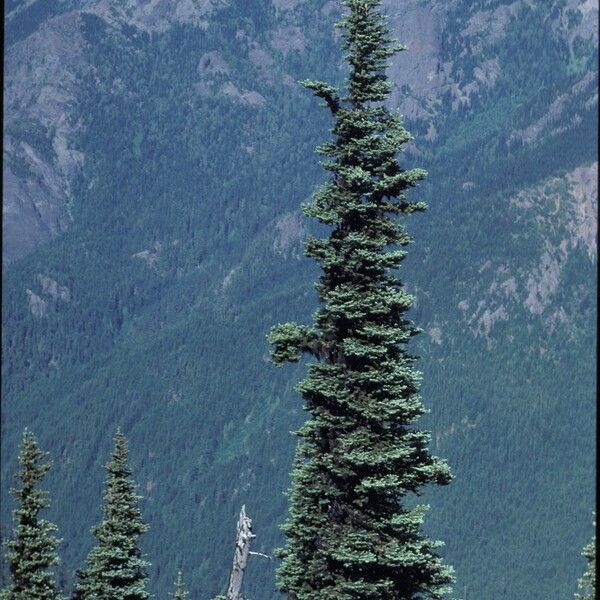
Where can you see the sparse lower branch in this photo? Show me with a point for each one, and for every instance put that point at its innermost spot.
(289, 340)
(325, 91)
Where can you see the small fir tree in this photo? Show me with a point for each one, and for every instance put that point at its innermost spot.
(352, 534)
(32, 553)
(115, 569)
(587, 584)
(180, 592)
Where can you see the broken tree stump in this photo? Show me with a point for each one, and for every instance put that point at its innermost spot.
(240, 558)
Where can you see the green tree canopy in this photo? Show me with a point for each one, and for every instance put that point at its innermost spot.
(32, 551)
(180, 592)
(115, 569)
(352, 532)
(587, 584)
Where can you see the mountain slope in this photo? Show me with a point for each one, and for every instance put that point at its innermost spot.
(159, 154)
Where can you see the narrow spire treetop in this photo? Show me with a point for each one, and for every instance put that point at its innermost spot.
(349, 533)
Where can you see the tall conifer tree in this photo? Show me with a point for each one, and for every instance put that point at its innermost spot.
(115, 569)
(32, 553)
(353, 531)
(180, 592)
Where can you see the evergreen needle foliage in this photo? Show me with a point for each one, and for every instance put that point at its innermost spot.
(354, 531)
(180, 592)
(32, 552)
(587, 584)
(115, 567)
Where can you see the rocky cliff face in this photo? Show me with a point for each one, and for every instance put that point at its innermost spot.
(453, 52)
(451, 55)
(42, 85)
(40, 125)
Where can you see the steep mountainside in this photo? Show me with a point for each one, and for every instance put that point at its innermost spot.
(155, 157)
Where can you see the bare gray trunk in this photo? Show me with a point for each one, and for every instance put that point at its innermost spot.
(242, 550)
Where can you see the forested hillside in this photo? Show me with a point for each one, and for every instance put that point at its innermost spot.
(155, 159)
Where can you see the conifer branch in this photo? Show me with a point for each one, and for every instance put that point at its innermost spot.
(325, 91)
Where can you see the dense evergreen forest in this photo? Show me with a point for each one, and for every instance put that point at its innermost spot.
(185, 247)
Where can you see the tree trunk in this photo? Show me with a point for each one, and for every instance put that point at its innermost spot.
(242, 550)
